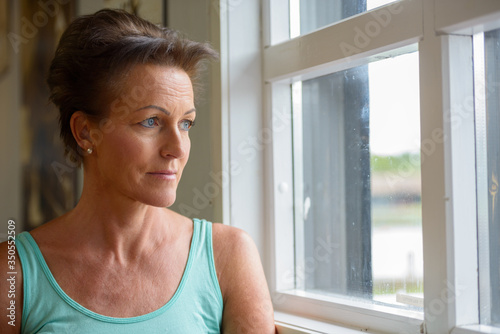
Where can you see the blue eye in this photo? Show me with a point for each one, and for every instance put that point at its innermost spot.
(186, 124)
(150, 122)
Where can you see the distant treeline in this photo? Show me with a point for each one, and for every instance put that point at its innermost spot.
(406, 161)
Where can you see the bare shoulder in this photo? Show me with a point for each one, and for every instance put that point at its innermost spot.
(247, 303)
(11, 284)
(225, 236)
(232, 246)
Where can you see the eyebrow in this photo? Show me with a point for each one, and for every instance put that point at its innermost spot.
(164, 110)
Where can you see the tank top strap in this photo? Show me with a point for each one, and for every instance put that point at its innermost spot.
(29, 255)
(205, 259)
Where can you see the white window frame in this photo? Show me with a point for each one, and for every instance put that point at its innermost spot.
(443, 30)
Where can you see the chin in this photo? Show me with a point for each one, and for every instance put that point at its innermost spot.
(160, 201)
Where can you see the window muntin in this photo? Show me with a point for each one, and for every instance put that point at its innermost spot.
(487, 111)
(309, 15)
(356, 188)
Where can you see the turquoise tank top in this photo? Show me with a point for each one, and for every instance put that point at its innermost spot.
(196, 306)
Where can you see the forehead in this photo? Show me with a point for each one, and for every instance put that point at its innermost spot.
(149, 80)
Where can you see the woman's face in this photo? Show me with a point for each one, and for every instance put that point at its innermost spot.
(142, 147)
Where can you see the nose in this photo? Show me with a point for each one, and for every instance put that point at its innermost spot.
(175, 144)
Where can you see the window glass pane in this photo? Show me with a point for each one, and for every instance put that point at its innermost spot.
(487, 108)
(309, 15)
(357, 183)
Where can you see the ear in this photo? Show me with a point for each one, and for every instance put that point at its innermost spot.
(81, 127)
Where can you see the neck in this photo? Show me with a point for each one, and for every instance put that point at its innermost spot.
(118, 225)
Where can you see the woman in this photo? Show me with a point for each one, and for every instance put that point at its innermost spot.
(120, 262)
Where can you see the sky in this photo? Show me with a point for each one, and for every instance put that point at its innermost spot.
(394, 105)
(394, 97)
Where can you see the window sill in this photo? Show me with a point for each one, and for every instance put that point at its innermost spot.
(473, 329)
(342, 312)
(293, 324)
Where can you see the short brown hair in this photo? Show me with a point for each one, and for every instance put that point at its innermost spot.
(95, 53)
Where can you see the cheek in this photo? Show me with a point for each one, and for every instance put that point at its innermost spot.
(123, 149)
(187, 150)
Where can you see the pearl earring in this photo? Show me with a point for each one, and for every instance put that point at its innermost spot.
(89, 150)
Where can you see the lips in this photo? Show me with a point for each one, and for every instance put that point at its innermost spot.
(170, 174)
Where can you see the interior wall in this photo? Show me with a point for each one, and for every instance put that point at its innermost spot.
(10, 136)
(147, 9)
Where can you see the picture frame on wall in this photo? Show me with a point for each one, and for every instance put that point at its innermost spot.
(4, 43)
